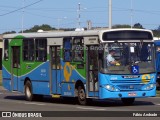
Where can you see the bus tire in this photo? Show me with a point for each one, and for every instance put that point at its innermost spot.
(128, 101)
(28, 91)
(81, 96)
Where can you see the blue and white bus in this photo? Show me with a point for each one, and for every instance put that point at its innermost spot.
(74, 64)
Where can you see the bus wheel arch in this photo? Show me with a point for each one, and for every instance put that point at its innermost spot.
(28, 90)
(27, 79)
(80, 93)
(77, 84)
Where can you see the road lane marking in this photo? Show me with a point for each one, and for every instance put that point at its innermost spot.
(86, 108)
(34, 104)
(157, 104)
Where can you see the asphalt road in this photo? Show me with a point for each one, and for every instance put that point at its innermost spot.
(13, 101)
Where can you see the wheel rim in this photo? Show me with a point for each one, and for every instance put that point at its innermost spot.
(82, 94)
(28, 92)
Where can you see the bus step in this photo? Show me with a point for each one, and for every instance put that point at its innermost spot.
(56, 96)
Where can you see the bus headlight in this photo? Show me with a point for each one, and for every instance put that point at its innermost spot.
(149, 87)
(111, 88)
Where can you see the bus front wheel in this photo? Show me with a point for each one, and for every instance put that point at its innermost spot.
(81, 96)
(128, 101)
(28, 91)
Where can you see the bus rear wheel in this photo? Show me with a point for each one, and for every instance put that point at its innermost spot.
(28, 91)
(128, 101)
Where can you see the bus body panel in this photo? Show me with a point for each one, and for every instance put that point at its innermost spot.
(126, 85)
(68, 89)
(104, 94)
(39, 77)
(56, 76)
(6, 79)
(70, 75)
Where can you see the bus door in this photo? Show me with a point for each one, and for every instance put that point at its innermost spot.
(92, 68)
(158, 64)
(158, 59)
(55, 69)
(15, 67)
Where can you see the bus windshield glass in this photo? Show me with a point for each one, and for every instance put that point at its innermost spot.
(127, 58)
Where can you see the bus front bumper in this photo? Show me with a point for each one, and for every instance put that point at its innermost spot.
(104, 93)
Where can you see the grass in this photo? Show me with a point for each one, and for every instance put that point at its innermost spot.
(0, 78)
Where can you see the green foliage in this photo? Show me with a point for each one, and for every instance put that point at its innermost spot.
(158, 28)
(121, 26)
(138, 25)
(156, 33)
(9, 32)
(35, 28)
(69, 29)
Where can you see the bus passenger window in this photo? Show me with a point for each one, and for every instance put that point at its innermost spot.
(144, 53)
(6, 43)
(78, 49)
(41, 49)
(67, 52)
(28, 49)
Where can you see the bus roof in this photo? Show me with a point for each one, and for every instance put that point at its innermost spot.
(68, 33)
(54, 34)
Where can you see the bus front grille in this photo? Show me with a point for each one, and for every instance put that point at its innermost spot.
(126, 81)
(130, 87)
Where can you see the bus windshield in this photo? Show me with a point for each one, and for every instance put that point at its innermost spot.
(127, 58)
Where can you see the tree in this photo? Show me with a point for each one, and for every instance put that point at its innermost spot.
(35, 28)
(158, 28)
(156, 33)
(138, 25)
(9, 32)
(69, 29)
(121, 26)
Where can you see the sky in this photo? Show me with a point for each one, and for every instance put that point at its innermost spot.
(63, 13)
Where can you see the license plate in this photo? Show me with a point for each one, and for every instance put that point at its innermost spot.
(132, 94)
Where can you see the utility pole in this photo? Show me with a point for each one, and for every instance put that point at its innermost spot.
(131, 13)
(23, 16)
(79, 15)
(110, 14)
(79, 18)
